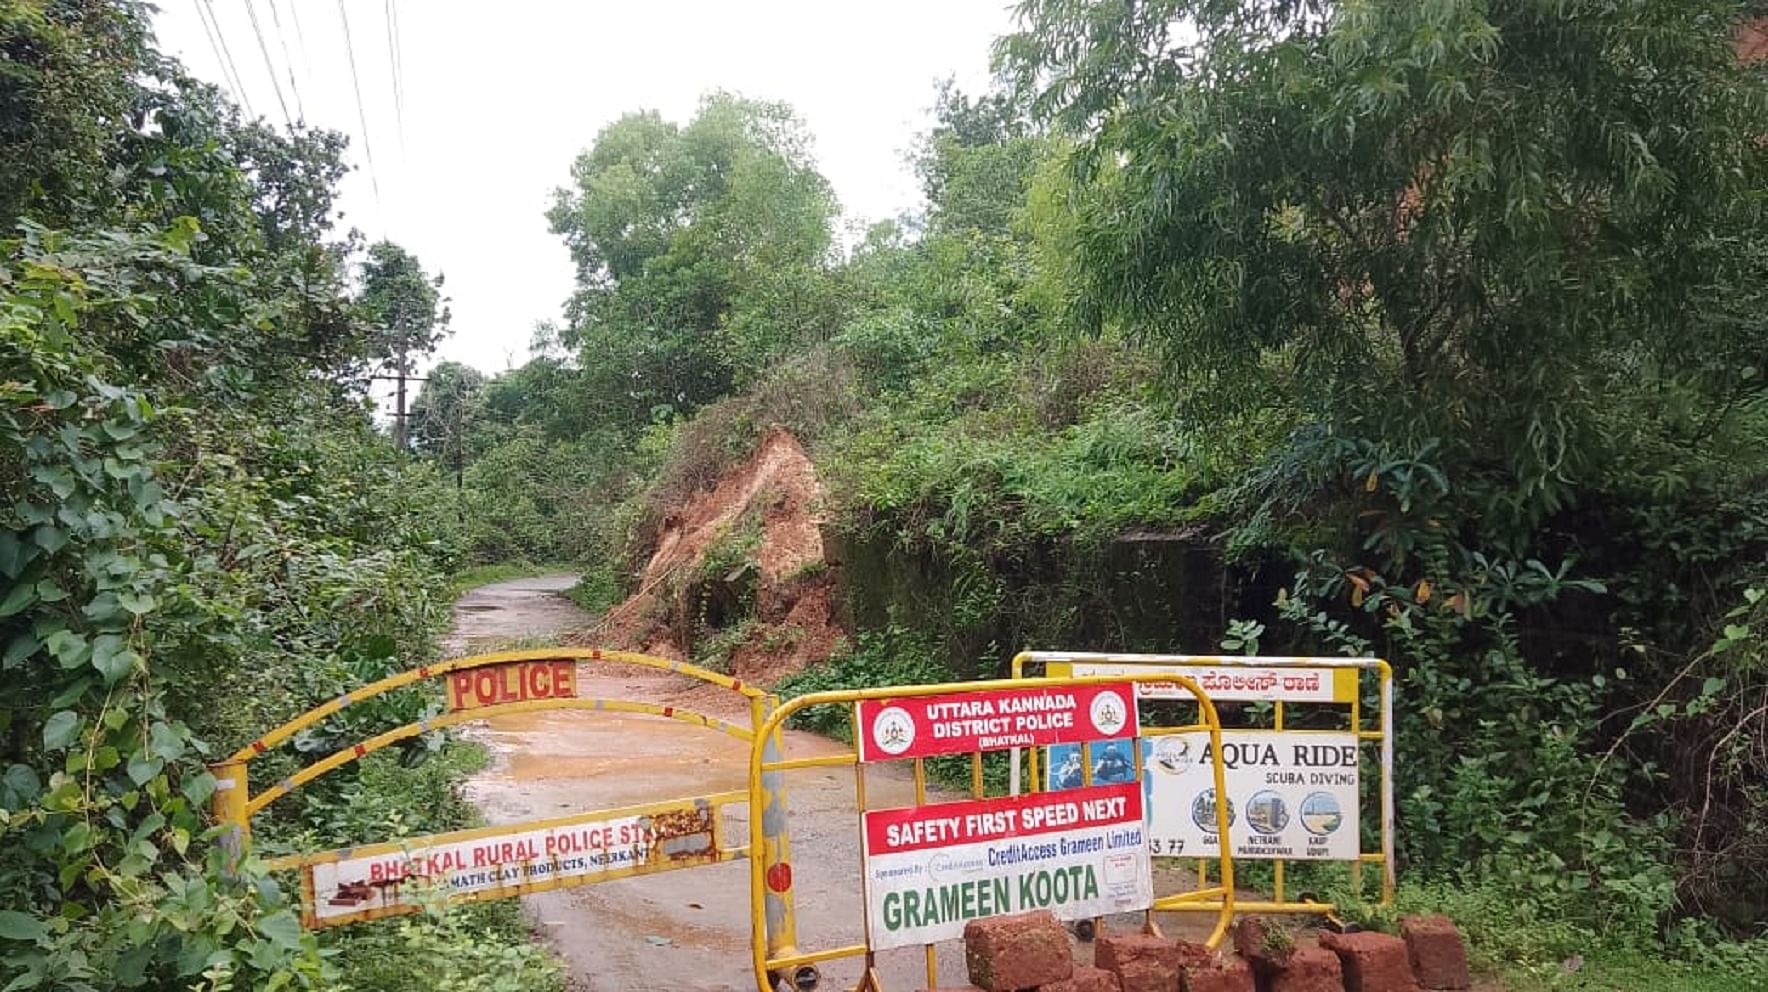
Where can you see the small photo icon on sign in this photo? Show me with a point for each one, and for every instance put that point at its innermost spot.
(1267, 813)
(1203, 811)
(1174, 755)
(1109, 713)
(1112, 766)
(1320, 813)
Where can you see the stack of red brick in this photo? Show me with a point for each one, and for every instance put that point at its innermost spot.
(1033, 952)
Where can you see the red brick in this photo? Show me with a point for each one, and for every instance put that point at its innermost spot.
(1193, 954)
(953, 988)
(1372, 962)
(1253, 939)
(1231, 973)
(1143, 962)
(1006, 953)
(1310, 969)
(1434, 948)
(1146, 975)
(1112, 950)
(1085, 979)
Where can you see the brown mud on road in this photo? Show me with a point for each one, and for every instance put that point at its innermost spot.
(688, 929)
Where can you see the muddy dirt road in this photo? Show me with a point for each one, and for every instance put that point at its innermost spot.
(688, 929)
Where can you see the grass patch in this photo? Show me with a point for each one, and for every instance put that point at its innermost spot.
(485, 947)
(597, 591)
(1614, 970)
(1530, 945)
(714, 651)
(468, 579)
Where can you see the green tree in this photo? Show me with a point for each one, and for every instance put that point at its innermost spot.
(402, 303)
(1476, 221)
(1469, 288)
(977, 163)
(700, 253)
(446, 412)
(66, 112)
(199, 529)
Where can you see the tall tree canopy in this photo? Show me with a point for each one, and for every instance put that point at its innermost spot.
(699, 251)
(1476, 221)
(403, 302)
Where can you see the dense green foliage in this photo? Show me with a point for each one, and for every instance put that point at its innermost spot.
(201, 531)
(1427, 330)
(1530, 233)
(1422, 329)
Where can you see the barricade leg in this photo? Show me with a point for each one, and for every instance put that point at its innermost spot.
(228, 807)
(778, 910)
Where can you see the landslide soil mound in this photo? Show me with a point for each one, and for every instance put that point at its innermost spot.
(737, 580)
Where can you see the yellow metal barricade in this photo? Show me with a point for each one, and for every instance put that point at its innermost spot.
(547, 854)
(1286, 683)
(347, 885)
(776, 960)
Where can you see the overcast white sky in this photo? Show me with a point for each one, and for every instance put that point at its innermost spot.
(499, 98)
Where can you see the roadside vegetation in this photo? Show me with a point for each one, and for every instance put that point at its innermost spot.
(1422, 330)
(202, 533)
(1428, 330)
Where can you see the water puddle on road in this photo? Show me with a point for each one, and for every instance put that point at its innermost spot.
(592, 759)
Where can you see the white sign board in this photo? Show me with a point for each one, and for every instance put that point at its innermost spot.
(1291, 794)
(1231, 683)
(931, 869)
(492, 862)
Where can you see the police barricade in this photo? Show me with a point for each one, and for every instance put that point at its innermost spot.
(1294, 755)
(366, 882)
(1080, 855)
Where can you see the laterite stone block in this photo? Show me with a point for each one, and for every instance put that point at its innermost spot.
(1231, 973)
(1085, 979)
(1111, 951)
(1252, 938)
(1372, 962)
(1309, 969)
(1434, 948)
(1141, 962)
(1008, 953)
(1146, 975)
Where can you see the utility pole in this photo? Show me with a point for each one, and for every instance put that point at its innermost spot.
(460, 449)
(399, 438)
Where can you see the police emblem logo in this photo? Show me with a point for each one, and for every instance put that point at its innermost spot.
(894, 730)
(1109, 713)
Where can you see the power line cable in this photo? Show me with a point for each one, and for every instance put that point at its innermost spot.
(227, 54)
(269, 66)
(282, 41)
(210, 32)
(301, 40)
(215, 46)
(395, 58)
(361, 114)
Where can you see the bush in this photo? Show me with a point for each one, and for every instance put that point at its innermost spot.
(895, 655)
(474, 948)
